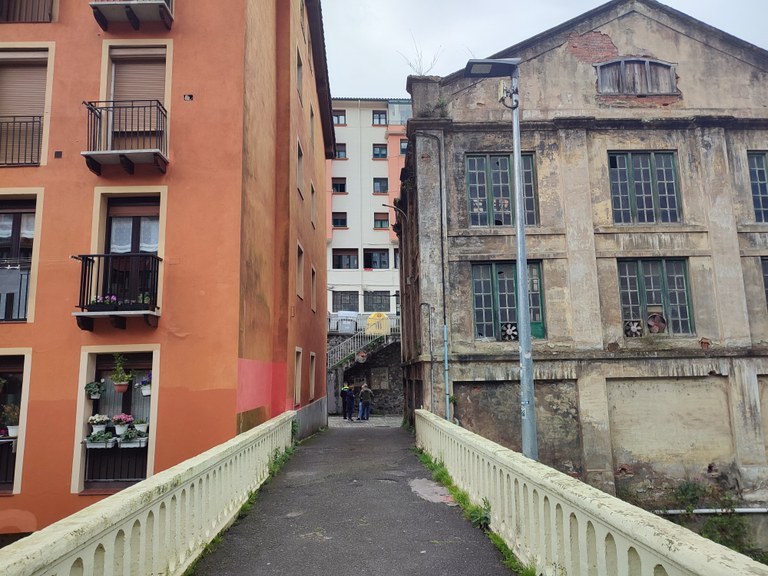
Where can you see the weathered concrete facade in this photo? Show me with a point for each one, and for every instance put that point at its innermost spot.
(671, 402)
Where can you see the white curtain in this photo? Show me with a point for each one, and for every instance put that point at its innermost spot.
(120, 237)
(27, 225)
(6, 225)
(150, 226)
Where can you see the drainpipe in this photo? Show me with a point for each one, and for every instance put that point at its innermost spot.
(443, 228)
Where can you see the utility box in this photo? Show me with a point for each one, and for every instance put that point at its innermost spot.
(378, 324)
(346, 322)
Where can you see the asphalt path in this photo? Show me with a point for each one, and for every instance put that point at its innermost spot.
(354, 499)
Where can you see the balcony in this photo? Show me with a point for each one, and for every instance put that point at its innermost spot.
(20, 140)
(14, 289)
(133, 11)
(118, 286)
(126, 132)
(17, 11)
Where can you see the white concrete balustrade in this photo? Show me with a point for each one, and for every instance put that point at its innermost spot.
(565, 526)
(160, 525)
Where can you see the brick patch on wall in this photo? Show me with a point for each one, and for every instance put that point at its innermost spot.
(592, 47)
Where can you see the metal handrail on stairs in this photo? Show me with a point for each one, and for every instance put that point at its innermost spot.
(361, 339)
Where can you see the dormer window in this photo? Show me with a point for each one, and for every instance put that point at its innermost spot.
(638, 76)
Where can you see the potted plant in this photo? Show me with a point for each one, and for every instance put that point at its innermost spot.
(141, 425)
(99, 422)
(133, 438)
(11, 419)
(119, 376)
(94, 389)
(121, 422)
(100, 440)
(102, 303)
(145, 384)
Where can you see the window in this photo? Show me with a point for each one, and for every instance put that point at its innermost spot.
(339, 117)
(654, 297)
(339, 219)
(379, 117)
(758, 178)
(380, 185)
(17, 235)
(346, 301)
(495, 300)
(403, 147)
(344, 259)
(341, 151)
(311, 126)
(313, 295)
(11, 373)
(312, 370)
(297, 378)
(26, 11)
(312, 204)
(643, 189)
(396, 258)
(381, 220)
(299, 75)
(376, 301)
(376, 259)
(300, 170)
(638, 76)
(23, 77)
(119, 467)
(489, 188)
(300, 272)
(379, 150)
(339, 185)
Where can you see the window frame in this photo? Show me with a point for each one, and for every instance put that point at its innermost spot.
(623, 88)
(376, 301)
(378, 117)
(375, 257)
(345, 255)
(654, 184)
(403, 146)
(381, 220)
(633, 292)
(487, 199)
(336, 220)
(757, 165)
(507, 300)
(381, 185)
(339, 117)
(340, 151)
(378, 150)
(339, 185)
(345, 297)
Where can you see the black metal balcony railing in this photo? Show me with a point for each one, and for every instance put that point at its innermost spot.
(14, 289)
(20, 140)
(126, 131)
(26, 10)
(118, 282)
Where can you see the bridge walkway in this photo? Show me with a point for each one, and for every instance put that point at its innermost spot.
(353, 500)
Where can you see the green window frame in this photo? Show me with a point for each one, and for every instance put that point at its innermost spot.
(346, 301)
(758, 179)
(494, 298)
(764, 265)
(490, 190)
(650, 288)
(644, 187)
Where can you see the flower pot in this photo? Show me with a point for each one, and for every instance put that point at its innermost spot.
(95, 396)
(99, 427)
(146, 389)
(135, 443)
(13, 431)
(106, 444)
(121, 387)
(121, 429)
(100, 307)
(141, 427)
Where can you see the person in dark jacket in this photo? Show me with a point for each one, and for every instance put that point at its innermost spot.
(347, 401)
(366, 397)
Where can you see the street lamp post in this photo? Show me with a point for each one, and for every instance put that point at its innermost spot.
(497, 68)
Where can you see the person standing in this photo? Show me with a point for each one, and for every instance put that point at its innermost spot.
(366, 397)
(347, 401)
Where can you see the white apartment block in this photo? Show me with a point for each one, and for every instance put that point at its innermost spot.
(363, 255)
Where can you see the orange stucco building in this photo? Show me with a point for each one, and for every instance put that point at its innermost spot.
(161, 164)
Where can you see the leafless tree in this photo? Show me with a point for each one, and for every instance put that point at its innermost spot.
(419, 65)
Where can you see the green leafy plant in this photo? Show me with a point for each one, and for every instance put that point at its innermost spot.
(95, 387)
(11, 414)
(99, 437)
(118, 373)
(688, 494)
(133, 434)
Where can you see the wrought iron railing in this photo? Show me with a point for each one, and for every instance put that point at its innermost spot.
(26, 10)
(122, 125)
(20, 140)
(360, 322)
(118, 282)
(14, 288)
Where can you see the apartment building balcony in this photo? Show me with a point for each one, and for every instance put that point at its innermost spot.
(20, 140)
(135, 12)
(118, 286)
(126, 132)
(29, 11)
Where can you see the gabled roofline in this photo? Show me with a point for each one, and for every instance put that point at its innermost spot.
(323, 85)
(759, 55)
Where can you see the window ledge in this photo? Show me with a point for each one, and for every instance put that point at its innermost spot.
(648, 228)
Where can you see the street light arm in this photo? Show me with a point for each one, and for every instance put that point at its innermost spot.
(399, 211)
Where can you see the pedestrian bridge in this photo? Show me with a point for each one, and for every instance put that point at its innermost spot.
(565, 527)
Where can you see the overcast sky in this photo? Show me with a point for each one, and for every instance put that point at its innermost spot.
(369, 42)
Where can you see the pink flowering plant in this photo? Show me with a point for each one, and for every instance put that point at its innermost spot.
(122, 419)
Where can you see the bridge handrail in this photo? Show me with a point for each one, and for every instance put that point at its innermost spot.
(160, 525)
(564, 525)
